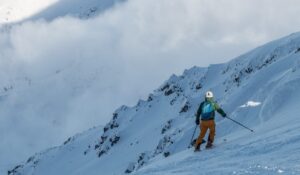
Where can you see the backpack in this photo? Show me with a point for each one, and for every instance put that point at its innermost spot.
(207, 111)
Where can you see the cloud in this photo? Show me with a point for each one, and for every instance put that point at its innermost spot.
(69, 74)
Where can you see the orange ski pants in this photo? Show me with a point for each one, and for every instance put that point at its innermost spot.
(204, 126)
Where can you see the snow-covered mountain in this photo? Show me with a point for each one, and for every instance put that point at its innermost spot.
(18, 11)
(76, 8)
(259, 89)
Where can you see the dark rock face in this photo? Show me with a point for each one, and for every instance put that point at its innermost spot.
(166, 154)
(15, 170)
(68, 140)
(109, 137)
(114, 140)
(167, 126)
(198, 86)
(185, 108)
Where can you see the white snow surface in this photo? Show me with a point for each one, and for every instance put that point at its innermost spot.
(251, 104)
(138, 138)
(16, 10)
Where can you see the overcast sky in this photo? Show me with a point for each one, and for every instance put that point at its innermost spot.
(81, 70)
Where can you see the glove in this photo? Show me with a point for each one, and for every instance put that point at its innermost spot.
(224, 115)
(197, 121)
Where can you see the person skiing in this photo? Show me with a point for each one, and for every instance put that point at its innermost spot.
(207, 111)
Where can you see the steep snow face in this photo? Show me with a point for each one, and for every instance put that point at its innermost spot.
(153, 137)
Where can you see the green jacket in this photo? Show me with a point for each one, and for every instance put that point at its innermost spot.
(207, 110)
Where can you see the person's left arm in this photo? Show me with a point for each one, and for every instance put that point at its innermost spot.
(219, 110)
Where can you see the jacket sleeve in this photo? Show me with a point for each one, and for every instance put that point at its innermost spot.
(199, 111)
(219, 110)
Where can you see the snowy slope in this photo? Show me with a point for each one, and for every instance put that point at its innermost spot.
(259, 89)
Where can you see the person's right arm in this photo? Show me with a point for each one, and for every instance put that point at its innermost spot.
(199, 111)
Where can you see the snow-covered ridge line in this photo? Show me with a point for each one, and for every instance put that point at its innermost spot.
(83, 9)
(152, 136)
(78, 8)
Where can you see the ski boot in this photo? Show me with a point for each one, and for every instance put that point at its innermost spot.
(209, 145)
(197, 148)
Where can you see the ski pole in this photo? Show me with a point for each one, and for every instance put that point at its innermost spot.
(239, 123)
(193, 134)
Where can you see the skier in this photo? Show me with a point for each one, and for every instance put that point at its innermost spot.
(207, 111)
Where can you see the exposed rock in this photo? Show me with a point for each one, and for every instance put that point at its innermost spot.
(169, 92)
(167, 86)
(166, 127)
(167, 154)
(68, 140)
(198, 86)
(15, 170)
(130, 168)
(113, 140)
(185, 108)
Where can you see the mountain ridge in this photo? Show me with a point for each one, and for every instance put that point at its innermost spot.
(78, 9)
(153, 136)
